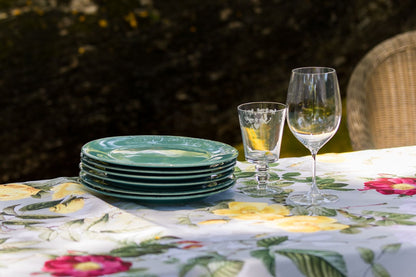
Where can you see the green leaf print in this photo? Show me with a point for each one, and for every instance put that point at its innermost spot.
(10, 210)
(379, 271)
(267, 258)
(300, 210)
(215, 265)
(18, 222)
(18, 249)
(334, 186)
(290, 176)
(273, 177)
(323, 263)
(225, 268)
(267, 242)
(185, 220)
(140, 250)
(352, 230)
(394, 216)
(388, 219)
(321, 211)
(244, 174)
(2, 240)
(391, 248)
(366, 254)
(323, 183)
(103, 219)
(39, 206)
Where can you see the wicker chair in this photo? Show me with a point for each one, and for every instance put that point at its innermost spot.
(381, 95)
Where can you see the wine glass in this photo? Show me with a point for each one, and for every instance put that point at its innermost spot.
(314, 114)
(261, 126)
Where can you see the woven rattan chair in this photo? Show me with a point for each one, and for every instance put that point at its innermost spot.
(381, 95)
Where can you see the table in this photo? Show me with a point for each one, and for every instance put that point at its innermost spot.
(57, 228)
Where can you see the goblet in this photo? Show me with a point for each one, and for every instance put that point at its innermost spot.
(314, 113)
(261, 126)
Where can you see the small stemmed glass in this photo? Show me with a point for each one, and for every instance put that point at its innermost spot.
(314, 114)
(261, 126)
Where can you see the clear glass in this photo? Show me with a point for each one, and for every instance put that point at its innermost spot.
(261, 126)
(314, 114)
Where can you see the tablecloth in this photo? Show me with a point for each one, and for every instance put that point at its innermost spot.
(57, 227)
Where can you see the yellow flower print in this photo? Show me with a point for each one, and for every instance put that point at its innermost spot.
(253, 211)
(331, 158)
(70, 206)
(16, 192)
(213, 221)
(307, 224)
(66, 189)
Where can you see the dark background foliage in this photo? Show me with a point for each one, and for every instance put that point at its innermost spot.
(73, 71)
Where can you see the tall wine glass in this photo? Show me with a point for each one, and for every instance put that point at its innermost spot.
(314, 113)
(261, 126)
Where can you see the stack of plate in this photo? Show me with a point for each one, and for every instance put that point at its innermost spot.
(157, 168)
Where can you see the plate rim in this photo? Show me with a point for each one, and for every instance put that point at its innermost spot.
(155, 194)
(233, 152)
(162, 171)
(203, 175)
(155, 184)
(162, 199)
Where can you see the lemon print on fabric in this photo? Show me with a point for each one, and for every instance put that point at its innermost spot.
(16, 192)
(65, 189)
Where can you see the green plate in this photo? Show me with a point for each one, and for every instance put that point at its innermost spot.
(159, 198)
(159, 151)
(166, 172)
(159, 191)
(151, 183)
(148, 177)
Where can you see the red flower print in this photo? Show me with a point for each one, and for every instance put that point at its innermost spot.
(84, 266)
(402, 186)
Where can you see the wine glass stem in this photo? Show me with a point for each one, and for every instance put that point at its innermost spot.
(262, 175)
(314, 192)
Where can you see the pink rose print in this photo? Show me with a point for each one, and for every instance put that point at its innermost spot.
(84, 266)
(402, 186)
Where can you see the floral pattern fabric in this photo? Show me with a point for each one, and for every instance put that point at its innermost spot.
(59, 228)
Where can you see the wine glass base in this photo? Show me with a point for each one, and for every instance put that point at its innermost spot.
(306, 199)
(263, 192)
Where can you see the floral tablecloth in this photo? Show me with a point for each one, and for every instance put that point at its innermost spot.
(58, 228)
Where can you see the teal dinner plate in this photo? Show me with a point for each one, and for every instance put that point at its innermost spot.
(153, 183)
(159, 151)
(158, 191)
(158, 198)
(155, 170)
(149, 177)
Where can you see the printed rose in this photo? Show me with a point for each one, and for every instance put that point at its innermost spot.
(84, 266)
(16, 192)
(402, 186)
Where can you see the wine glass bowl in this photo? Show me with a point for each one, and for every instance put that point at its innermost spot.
(314, 114)
(261, 126)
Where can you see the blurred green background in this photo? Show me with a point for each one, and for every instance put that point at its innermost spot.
(76, 70)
